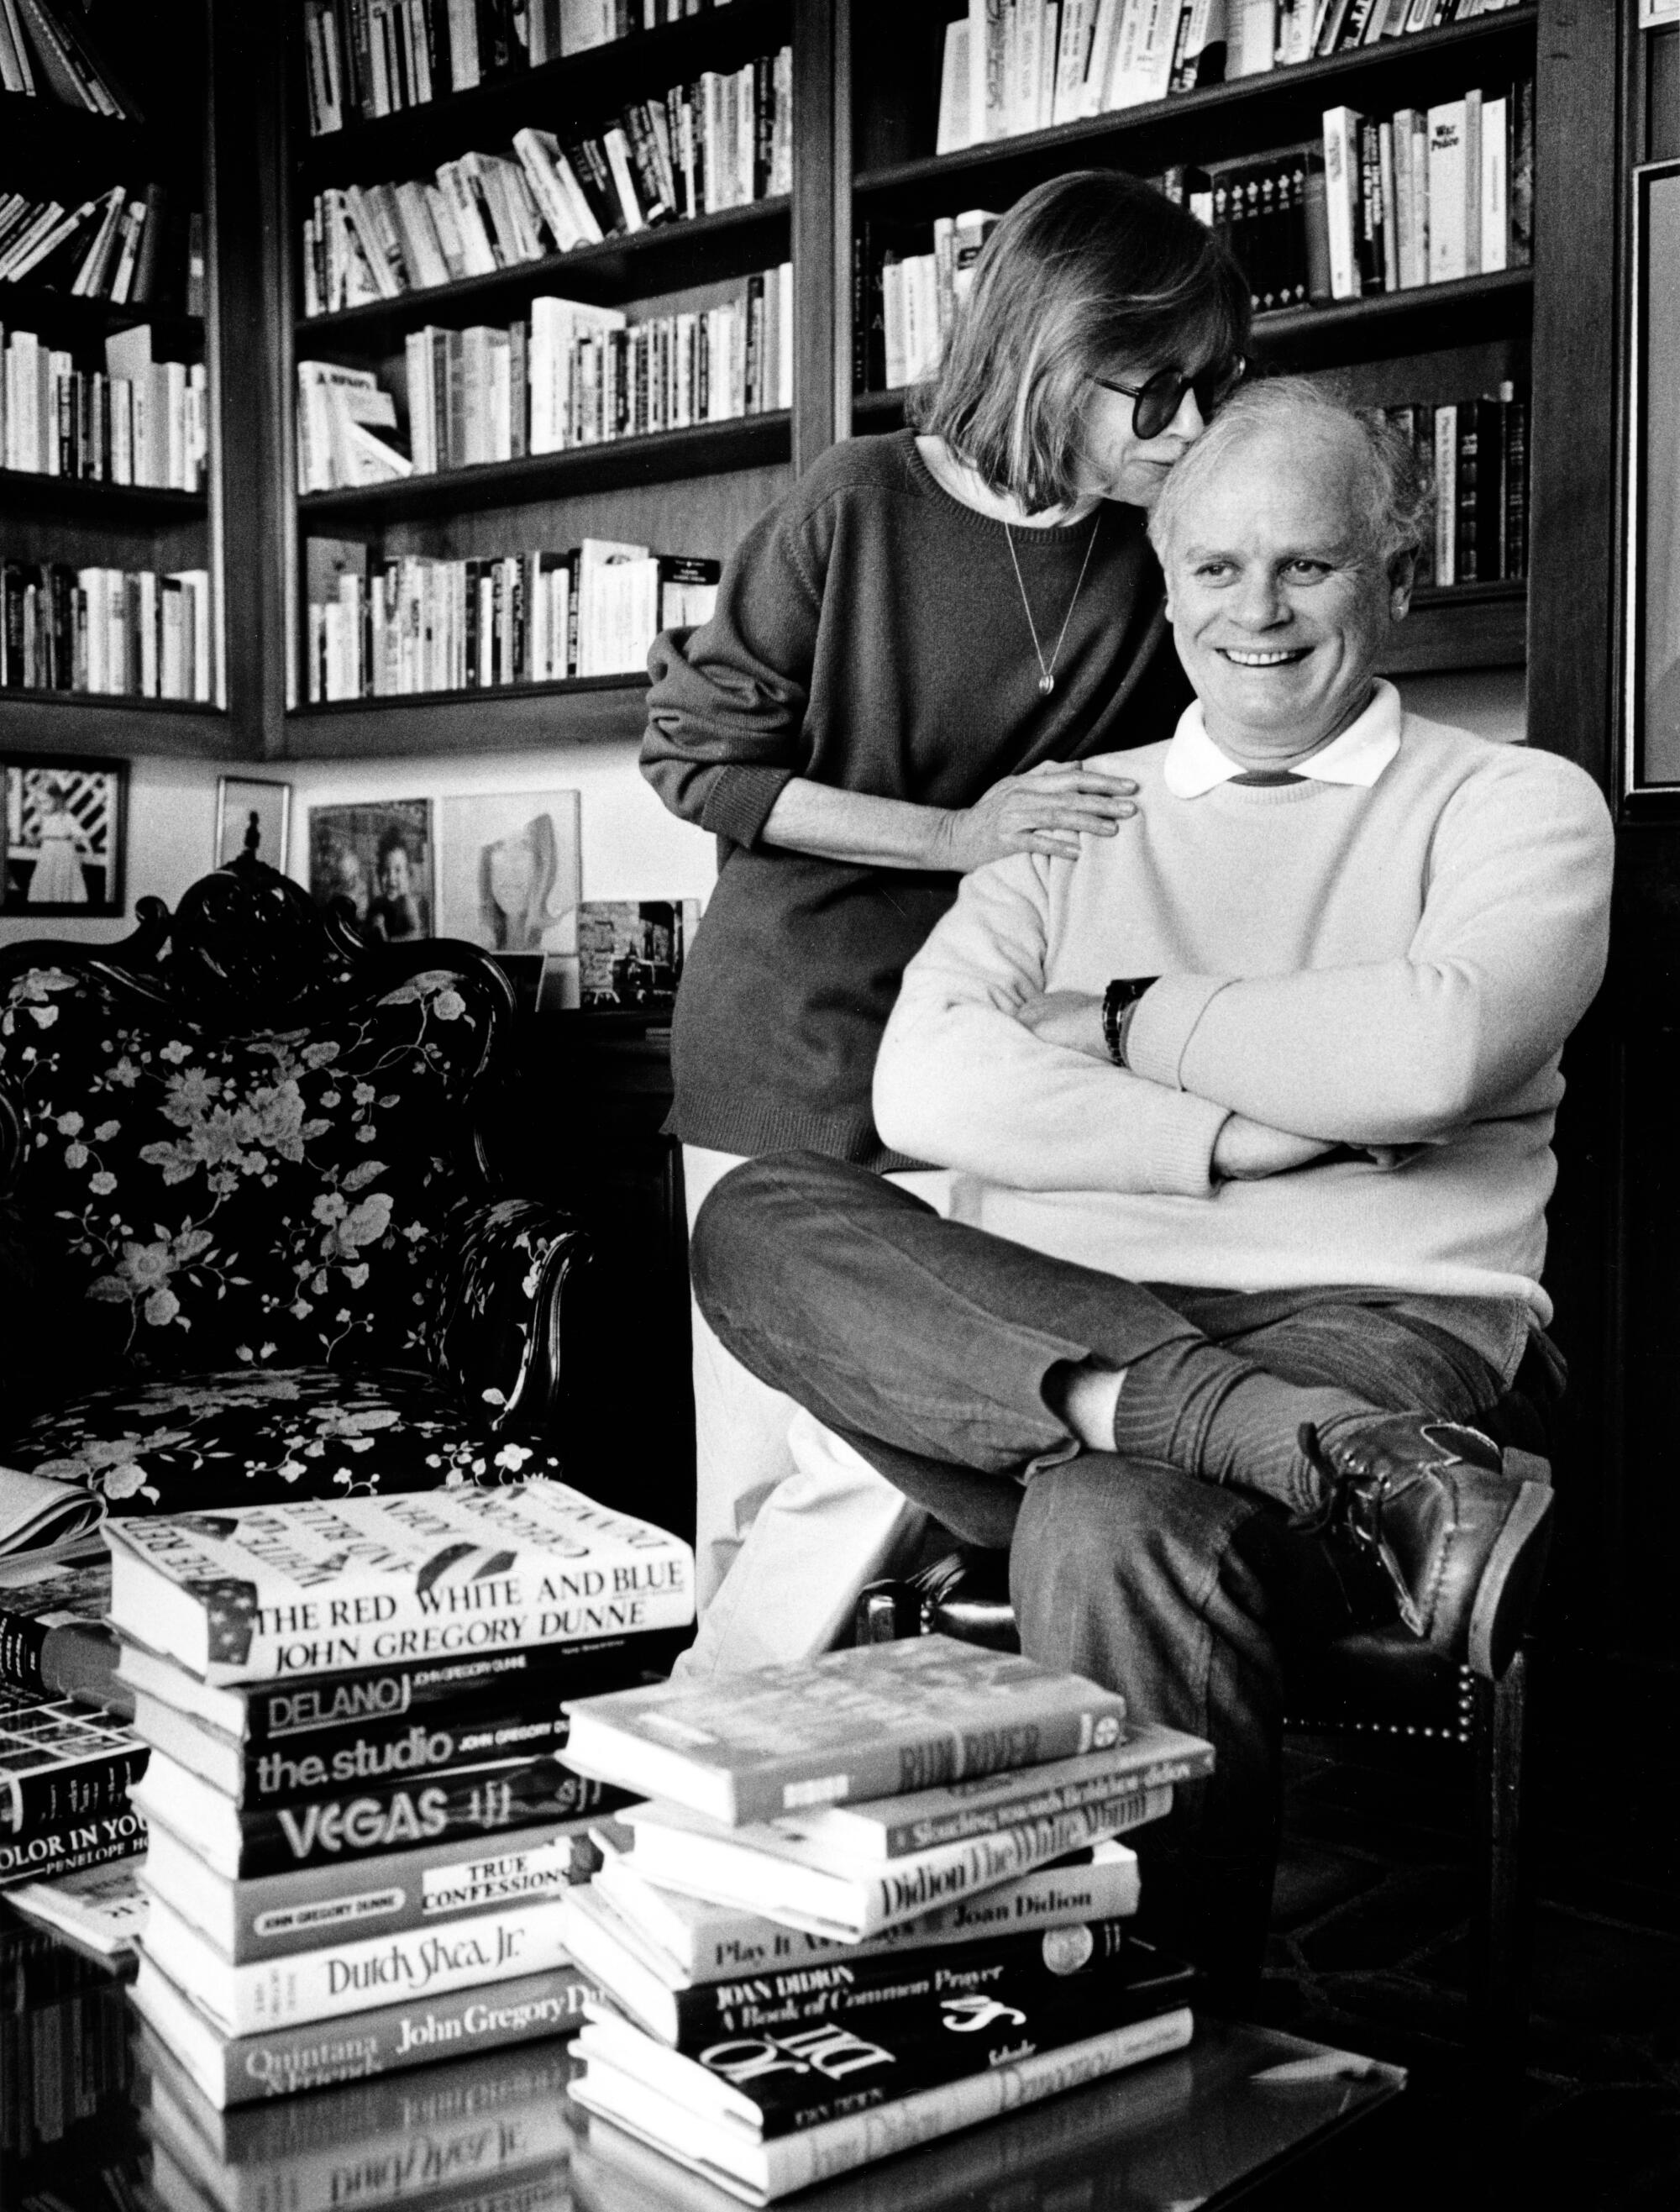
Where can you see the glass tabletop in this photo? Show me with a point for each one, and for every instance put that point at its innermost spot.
(94, 2114)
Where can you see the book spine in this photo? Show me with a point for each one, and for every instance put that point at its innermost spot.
(921, 2044)
(1466, 528)
(1012, 1970)
(1341, 127)
(39, 1801)
(92, 1842)
(963, 1870)
(1134, 1800)
(479, 1801)
(894, 1769)
(23, 1641)
(799, 2160)
(282, 2062)
(1516, 487)
(341, 1979)
(395, 1893)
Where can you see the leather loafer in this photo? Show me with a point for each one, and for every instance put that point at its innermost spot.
(1463, 1543)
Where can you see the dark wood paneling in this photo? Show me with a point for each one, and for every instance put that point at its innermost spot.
(250, 305)
(513, 718)
(822, 233)
(1572, 445)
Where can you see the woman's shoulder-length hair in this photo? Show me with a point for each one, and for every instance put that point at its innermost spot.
(1092, 274)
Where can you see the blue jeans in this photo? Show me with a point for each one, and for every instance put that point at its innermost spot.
(927, 1345)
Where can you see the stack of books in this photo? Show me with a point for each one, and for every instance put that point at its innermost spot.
(724, 141)
(392, 628)
(360, 1822)
(877, 1898)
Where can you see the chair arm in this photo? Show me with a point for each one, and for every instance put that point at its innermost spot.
(506, 1308)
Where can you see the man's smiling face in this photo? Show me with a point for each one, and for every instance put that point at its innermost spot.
(1279, 602)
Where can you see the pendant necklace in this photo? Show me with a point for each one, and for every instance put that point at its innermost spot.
(1047, 668)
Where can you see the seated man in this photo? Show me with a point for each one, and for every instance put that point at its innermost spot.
(1257, 1100)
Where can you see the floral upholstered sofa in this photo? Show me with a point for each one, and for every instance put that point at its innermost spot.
(248, 1240)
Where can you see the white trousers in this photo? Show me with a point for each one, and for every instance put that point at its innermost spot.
(789, 1521)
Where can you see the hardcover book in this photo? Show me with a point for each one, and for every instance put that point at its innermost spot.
(61, 1766)
(473, 1801)
(883, 1994)
(761, 2169)
(1150, 1757)
(313, 1587)
(783, 2077)
(280, 2062)
(682, 1939)
(273, 1916)
(878, 1721)
(316, 1713)
(343, 1978)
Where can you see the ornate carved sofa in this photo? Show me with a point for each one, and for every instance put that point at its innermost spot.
(249, 1242)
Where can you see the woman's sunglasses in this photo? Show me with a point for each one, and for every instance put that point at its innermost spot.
(1154, 405)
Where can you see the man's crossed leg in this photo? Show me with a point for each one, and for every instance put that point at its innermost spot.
(1174, 1536)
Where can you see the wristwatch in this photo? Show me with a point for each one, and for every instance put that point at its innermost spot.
(1119, 1002)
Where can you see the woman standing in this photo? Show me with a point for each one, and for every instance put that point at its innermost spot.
(912, 652)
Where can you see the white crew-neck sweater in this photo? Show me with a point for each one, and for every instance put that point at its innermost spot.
(1393, 965)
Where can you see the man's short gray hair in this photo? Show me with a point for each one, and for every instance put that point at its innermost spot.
(1391, 487)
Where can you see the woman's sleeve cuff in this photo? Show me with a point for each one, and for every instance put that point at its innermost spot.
(740, 802)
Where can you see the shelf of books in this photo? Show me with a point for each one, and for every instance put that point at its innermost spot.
(107, 432)
(542, 345)
(1370, 163)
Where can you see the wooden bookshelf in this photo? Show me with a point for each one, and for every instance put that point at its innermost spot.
(1424, 345)
(1220, 121)
(527, 717)
(685, 492)
(578, 85)
(158, 49)
(662, 259)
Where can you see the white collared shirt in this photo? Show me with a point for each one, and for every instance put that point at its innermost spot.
(1194, 764)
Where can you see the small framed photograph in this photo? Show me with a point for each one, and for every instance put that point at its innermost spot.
(376, 857)
(244, 803)
(630, 952)
(510, 870)
(66, 829)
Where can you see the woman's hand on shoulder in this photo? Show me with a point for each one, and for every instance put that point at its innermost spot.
(1046, 810)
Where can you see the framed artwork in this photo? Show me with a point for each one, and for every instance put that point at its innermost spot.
(510, 870)
(630, 951)
(66, 830)
(376, 857)
(241, 802)
(1652, 704)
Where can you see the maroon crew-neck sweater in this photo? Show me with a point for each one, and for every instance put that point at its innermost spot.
(869, 634)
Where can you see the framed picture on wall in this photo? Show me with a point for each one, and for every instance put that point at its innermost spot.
(244, 802)
(1653, 703)
(66, 827)
(377, 856)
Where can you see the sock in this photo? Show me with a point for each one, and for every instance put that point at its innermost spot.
(1193, 1406)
